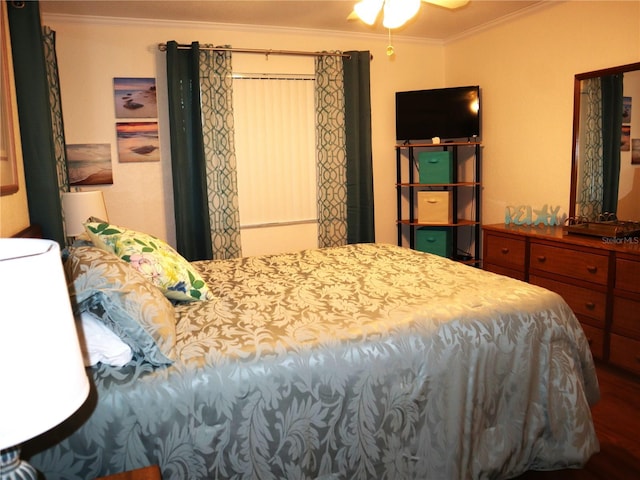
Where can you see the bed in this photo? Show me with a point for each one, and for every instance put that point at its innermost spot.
(366, 361)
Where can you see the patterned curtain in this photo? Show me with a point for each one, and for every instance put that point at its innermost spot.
(57, 124)
(216, 87)
(34, 111)
(591, 183)
(202, 152)
(331, 151)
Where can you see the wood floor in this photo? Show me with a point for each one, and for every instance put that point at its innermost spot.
(617, 420)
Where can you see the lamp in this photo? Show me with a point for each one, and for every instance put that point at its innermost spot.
(43, 376)
(79, 206)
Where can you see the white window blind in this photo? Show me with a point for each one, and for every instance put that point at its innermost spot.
(275, 149)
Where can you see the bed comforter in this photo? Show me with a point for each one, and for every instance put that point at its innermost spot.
(356, 362)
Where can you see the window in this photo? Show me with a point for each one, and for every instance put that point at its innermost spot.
(274, 119)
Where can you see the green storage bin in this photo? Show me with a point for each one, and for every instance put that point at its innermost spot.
(436, 240)
(435, 167)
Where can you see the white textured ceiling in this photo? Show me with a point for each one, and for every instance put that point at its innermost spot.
(432, 22)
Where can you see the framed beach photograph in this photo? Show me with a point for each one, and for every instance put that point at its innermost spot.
(626, 110)
(89, 164)
(135, 97)
(9, 129)
(138, 142)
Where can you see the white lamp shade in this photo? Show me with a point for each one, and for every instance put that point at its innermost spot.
(43, 376)
(78, 207)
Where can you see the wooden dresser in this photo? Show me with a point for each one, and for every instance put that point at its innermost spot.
(598, 277)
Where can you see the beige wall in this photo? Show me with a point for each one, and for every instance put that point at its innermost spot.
(629, 188)
(14, 212)
(525, 68)
(92, 52)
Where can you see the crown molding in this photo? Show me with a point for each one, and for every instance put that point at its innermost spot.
(235, 27)
(502, 20)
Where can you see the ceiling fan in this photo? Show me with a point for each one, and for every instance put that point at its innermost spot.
(395, 12)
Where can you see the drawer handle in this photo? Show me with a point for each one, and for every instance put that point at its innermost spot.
(590, 305)
(542, 258)
(504, 250)
(592, 269)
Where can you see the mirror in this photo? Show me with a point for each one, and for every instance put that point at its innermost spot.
(605, 172)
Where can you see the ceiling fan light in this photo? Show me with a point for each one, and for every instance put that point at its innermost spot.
(368, 10)
(451, 4)
(398, 12)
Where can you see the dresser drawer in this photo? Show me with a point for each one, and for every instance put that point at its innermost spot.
(625, 353)
(584, 302)
(595, 337)
(509, 272)
(505, 251)
(582, 265)
(628, 275)
(626, 317)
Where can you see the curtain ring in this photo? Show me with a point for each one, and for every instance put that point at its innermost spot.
(17, 4)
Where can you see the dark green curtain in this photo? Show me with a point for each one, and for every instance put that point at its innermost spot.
(34, 111)
(357, 93)
(193, 230)
(612, 92)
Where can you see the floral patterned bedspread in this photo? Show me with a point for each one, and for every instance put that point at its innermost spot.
(357, 362)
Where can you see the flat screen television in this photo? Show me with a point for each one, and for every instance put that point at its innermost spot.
(448, 113)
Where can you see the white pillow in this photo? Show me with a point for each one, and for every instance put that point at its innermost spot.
(99, 344)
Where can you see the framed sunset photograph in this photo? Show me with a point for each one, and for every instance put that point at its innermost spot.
(138, 142)
(625, 141)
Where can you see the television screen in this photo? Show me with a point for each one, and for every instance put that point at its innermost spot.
(448, 113)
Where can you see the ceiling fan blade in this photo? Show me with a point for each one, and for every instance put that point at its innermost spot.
(353, 16)
(452, 4)
(367, 11)
(448, 3)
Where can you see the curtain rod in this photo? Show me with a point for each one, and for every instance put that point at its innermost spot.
(163, 47)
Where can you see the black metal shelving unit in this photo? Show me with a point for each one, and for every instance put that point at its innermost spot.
(406, 184)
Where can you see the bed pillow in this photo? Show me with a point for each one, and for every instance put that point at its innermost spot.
(99, 344)
(131, 307)
(153, 258)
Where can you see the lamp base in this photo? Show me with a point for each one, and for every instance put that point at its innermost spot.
(12, 468)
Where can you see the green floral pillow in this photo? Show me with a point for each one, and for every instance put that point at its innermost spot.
(153, 258)
(124, 301)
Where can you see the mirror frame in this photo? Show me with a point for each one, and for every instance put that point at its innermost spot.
(575, 151)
